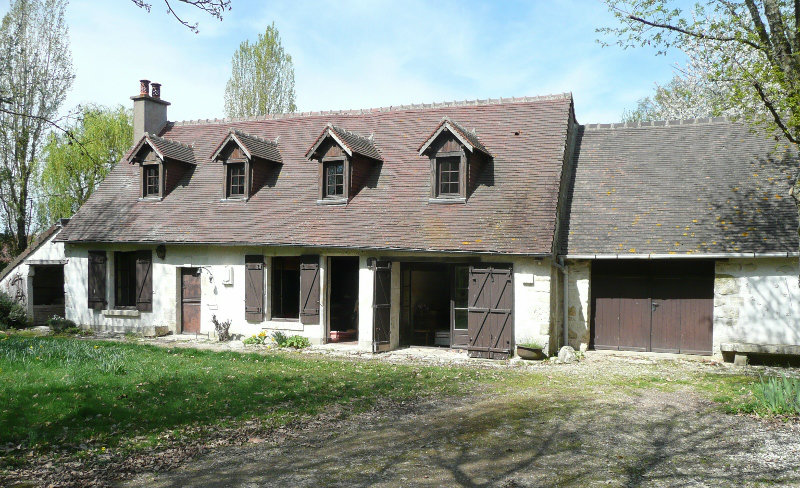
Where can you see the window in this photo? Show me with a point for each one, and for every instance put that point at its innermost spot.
(151, 187)
(447, 173)
(125, 279)
(286, 287)
(236, 180)
(334, 179)
(460, 294)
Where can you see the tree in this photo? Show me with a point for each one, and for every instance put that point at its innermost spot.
(35, 74)
(751, 50)
(262, 78)
(76, 161)
(215, 8)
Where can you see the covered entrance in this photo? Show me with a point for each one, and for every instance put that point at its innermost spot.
(659, 306)
(48, 292)
(343, 286)
(433, 303)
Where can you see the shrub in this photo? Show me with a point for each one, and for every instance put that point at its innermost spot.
(12, 314)
(297, 342)
(778, 396)
(60, 324)
(280, 338)
(222, 328)
(260, 339)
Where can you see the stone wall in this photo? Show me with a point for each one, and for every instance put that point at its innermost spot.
(578, 311)
(757, 301)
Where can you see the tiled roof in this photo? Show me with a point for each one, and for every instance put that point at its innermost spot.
(255, 146)
(166, 148)
(690, 187)
(352, 142)
(511, 210)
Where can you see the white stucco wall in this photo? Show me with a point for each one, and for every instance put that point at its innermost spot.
(579, 302)
(757, 301)
(532, 288)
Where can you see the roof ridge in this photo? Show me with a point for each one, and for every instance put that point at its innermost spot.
(660, 123)
(391, 108)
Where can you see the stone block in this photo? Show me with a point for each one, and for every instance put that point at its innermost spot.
(726, 285)
(567, 355)
(162, 330)
(740, 360)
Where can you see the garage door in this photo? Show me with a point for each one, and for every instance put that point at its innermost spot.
(653, 306)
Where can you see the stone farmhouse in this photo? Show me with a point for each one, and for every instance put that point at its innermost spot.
(473, 225)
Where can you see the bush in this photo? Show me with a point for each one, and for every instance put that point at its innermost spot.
(222, 328)
(259, 339)
(12, 314)
(778, 396)
(60, 324)
(280, 338)
(297, 342)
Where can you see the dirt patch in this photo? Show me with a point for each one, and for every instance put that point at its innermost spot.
(590, 435)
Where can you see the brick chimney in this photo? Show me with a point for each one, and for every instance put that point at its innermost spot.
(149, 110)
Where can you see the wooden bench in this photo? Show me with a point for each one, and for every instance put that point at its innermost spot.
(738, 352)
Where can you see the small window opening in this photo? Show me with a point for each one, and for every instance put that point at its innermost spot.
(151, 180)
(448, 175)
(124, 279)
(236, 180)
(334, 179)
(286, 287)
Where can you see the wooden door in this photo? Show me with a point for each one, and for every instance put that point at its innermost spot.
(190, 300)
(697, 317)
(634, 314)
(381, 305)
(665, 332)
(606, 312)
(490, 320)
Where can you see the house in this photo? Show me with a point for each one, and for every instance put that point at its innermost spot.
(465, 224)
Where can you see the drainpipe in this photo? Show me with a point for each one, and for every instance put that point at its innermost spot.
(565, 306)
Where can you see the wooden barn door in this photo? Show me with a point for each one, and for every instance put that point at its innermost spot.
(190, 300)
(382, 306)
(490, 320)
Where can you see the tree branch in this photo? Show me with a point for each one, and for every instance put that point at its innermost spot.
(698, 35)
(774, 112)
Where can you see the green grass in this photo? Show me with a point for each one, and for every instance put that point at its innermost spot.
(60, 393)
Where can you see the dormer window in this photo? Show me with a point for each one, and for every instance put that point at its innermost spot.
(334, 179)
(151, 179)
(160, 161)
(456, 156)
(247, 162)
(345, 159)
(236, 180)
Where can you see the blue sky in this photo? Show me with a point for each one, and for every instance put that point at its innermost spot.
(362, 53)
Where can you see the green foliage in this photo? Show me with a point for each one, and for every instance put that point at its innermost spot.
(530, 343)
(259, 339)
(124, 395)
(279, 338)
(746, 53)
(262, 78)
(60, 324)
(12, 314)
(77, 161)
(297, 342)
(778, 396)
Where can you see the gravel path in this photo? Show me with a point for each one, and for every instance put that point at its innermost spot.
(588, 432)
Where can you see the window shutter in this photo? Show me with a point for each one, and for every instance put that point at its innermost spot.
(97, 280)
(309, 289)
(144, 281)
(254, 288)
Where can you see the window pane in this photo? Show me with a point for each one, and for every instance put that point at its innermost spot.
(448, 169)
(334, 179)
(460, 317)
(151, 180)
(236, 179)
(461, 287)
(124, 279)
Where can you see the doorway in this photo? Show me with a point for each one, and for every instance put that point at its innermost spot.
(434, 304)
(343, 315)
(48, 292)
(190, 300)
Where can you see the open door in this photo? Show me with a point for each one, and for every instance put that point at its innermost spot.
(381, 305)
(490, 321)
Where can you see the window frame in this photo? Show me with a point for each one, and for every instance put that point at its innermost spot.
(159, 175)
(323, 164)
(436, 162)
(230, 166)
(125, 261)
(277, 294)
(326, 186)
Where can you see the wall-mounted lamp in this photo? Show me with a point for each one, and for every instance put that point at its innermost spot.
(161, 251)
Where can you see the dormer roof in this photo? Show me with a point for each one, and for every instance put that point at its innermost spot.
(251, 145)
(469, 139)
(165, 148)
(350, 142)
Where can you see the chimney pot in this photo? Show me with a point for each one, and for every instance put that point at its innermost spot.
(156, 92)
(144, 87)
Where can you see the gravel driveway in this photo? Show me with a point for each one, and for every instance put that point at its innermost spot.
(580, 425)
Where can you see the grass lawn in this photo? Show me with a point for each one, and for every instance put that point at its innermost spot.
(77, 396)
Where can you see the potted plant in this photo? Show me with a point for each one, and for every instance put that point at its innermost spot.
(530, 350)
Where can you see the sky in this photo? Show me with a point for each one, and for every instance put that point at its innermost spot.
(353, 54)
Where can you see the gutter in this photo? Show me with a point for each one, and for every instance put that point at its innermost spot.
(751, 255)
(561, 265)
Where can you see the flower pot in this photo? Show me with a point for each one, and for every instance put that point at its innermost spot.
(530, 353)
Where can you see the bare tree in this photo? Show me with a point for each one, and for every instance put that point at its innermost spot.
(215, 8)
(35, 75)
